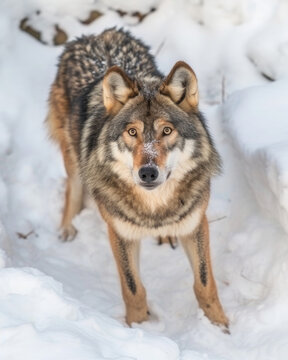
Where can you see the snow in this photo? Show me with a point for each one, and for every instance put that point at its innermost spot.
(63, 300)
(43, 322)
(256, 119)
(268, 48)
(150, 150)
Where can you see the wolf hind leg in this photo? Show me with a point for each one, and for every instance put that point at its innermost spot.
(57, 122)
(73, 205)
(171, 240)
(74, 191)
(196, 247)
(126, 254)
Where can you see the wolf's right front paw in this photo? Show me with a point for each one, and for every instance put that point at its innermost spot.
(68, 233)
(137, 315)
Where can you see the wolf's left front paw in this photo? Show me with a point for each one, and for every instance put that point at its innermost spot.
(67, 233)
(217, 317)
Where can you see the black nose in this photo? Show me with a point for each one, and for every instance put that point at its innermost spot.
(148, 174)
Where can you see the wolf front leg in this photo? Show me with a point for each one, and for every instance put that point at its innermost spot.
(196, 246)
(126, 254)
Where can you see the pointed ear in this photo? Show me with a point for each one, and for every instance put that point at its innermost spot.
(117, 89)
(181, 86)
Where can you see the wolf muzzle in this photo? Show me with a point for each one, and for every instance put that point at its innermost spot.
(148, 175)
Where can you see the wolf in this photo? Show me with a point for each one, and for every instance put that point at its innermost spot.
(136, 140)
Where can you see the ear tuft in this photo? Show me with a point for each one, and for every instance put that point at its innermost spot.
(117, 89)
(181, 86)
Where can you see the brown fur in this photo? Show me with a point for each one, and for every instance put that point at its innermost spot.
(93, 106)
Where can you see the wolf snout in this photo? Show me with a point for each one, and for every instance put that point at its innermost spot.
(148, 174)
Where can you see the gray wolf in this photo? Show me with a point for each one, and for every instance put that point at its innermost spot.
(138, 143)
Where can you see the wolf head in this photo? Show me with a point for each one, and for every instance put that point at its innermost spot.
(155, 131)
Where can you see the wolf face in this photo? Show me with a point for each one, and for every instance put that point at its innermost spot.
(151, 147)
(155, 129)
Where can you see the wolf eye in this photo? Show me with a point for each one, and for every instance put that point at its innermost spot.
(132, 132)
(167, 130)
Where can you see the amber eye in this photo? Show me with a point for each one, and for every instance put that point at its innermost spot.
(167, 130)
(132, 132)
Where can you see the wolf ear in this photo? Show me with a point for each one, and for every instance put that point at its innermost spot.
(117, 89)
(181, 86)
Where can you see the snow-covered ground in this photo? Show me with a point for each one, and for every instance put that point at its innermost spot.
(63, 300)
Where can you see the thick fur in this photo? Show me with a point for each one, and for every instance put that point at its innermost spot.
(113, 113)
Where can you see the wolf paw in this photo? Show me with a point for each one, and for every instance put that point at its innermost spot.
(216, 315)
(68, 233)
(137, 316)
(223, 323)
(171, 240)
